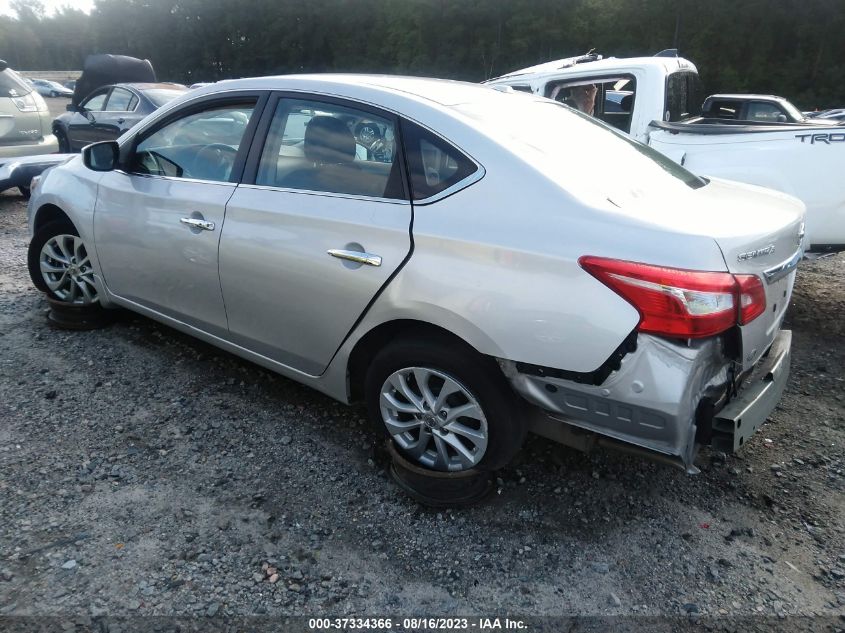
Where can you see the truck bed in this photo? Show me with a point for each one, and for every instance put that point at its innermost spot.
(706, 126)
(797, 159)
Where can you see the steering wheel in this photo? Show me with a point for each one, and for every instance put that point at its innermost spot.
(213, 162)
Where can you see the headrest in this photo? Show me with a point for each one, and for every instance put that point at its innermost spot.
(626, 103)
(329, 140)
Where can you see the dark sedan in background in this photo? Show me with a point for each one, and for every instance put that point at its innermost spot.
(109, 111)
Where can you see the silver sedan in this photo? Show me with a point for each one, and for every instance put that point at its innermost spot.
(472, 263)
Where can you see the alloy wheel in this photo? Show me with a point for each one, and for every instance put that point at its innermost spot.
(434, 419)
(66, 269)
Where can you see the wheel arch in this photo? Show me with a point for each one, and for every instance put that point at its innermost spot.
(49, 213)
(379, 336)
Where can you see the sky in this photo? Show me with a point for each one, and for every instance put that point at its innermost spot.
(50, 6)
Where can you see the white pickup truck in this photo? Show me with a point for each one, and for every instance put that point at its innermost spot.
(657, 100)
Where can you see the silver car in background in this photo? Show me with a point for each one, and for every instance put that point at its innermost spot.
(472, 263)
(24, 118)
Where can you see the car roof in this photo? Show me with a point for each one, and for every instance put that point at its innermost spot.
(665, 64)
(151, 86)
(441, 91)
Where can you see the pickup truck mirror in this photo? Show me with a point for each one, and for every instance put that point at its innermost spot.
(72, 107)
(781, 118)
(102, 156)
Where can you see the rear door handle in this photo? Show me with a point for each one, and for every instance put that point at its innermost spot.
(194, 223)
(356, 256)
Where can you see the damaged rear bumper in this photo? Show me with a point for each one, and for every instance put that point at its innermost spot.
(761, 391)
(653, 400)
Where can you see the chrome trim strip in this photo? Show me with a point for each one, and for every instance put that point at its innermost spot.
(177, 179)
(355, 256)
(327, 194)
(784, 268)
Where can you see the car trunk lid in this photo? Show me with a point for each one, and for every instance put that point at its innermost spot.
(759, 232)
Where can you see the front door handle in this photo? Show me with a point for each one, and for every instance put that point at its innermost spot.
(194, 223)
(121, 121)
(356, 256)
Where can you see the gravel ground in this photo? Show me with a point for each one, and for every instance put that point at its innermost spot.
(143, 472)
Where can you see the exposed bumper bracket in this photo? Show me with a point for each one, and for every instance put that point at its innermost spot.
(743, 415)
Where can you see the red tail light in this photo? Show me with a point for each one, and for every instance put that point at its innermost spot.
(752, 298)
(681, 303)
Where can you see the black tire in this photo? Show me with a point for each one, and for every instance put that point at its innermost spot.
(64, 144)
(81, 311)
(25, 192)
(476, 373)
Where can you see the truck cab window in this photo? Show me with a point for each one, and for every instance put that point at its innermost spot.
(609, 99)
(683, 96)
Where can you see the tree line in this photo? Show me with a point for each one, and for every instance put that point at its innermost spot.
(793, 48)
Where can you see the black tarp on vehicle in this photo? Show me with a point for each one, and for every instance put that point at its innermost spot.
(102, 69)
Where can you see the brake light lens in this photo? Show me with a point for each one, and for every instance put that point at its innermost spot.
(681, 303)
(752, 298)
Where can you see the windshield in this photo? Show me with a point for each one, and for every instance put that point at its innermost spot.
(11, 85)
(161, 96)
(586, 153)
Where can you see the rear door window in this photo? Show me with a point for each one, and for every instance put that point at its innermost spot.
(328, 147)
(96, 102)
(435, 164)
(121, 100)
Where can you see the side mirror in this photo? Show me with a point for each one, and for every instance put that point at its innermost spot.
(3, 65)
(781, 118)
(102, 156)
(72, 107)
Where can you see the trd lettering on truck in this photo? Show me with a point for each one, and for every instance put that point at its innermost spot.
(838, 137)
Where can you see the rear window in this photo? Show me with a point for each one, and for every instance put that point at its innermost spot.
(161, 96)
(683, 96)
(574, 148)
(11, 85)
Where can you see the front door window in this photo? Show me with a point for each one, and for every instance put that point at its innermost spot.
(201, 146)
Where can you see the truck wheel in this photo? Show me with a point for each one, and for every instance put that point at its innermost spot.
(446, 407)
